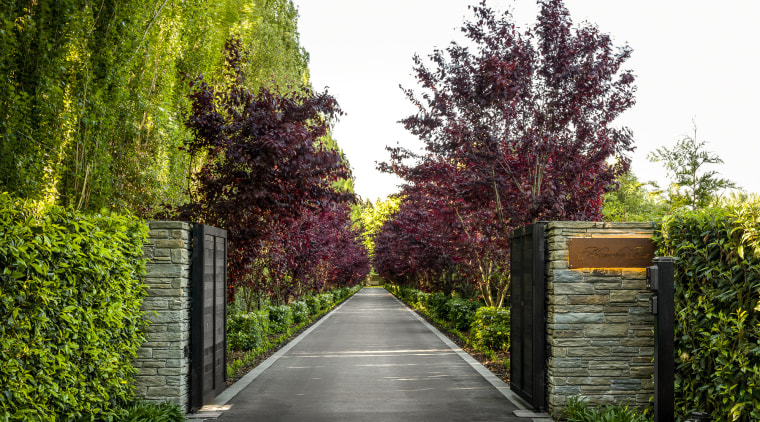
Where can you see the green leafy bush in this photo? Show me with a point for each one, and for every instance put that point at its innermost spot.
(490, 329)
(315, 305)
(717, 292)
(300, 311)
(152, 412)
(247, 331)
(436, 304)
(577, 410)
(326, 300)
(280, 318)
(70, 319)
(461, 312)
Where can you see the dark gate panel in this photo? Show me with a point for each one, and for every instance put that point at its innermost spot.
(209, 307)
(528, 323)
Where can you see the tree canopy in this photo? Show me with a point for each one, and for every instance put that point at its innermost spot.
(93, 93)
(691, 185)
(517, 127)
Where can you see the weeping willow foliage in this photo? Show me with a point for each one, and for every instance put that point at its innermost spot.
(93, 93)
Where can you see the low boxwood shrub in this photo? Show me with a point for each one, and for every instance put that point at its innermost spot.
(247, 331)
(300, 311)
(280, 318)
(490, 328)
(70, 296)
(314, 303)
(461, 312)
(326, 300)
(436, 304)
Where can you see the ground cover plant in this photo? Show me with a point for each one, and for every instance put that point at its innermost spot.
(577, 410)
(70, 298)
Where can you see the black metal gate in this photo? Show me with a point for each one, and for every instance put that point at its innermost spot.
(209, 307)
(528, 323)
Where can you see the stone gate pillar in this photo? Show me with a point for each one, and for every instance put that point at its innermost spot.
(599, 336)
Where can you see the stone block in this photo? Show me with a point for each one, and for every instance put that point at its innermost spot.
(575, 333)
(565, 362)
(164, 270)
(165, 391)
(170, 243)
(608, 364)
(584, 308)
(570, 342)
(175, 225)
(585, 351)
(605, 272)
(637, 341)
(594, 299)
(158, 233)
(605, 330)
(626, 385)
(149, 381)
(170, 372)
(578, 318)
(567, 276)
(627, 296)
(642, 372)
(168, 354)
(573, 289)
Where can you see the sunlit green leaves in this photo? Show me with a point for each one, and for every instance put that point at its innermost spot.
(717, 309)
(70, 296)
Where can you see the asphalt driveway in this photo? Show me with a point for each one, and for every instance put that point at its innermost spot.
(371, 359)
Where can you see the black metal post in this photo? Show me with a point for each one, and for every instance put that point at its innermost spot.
(660, 279)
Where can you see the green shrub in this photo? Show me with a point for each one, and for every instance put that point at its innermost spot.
(490, 328)
(315, 305)
(247, 331)
(300, 311)
(461, 312)
(717, 301)
(577, 410)
(436, 304)
(280, 318)
(70, 297)
(152, 412)
(326, 300)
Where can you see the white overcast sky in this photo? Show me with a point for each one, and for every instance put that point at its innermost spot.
(693, 59)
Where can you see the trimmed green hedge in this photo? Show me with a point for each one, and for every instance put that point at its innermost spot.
(717, 294)
(70, 319)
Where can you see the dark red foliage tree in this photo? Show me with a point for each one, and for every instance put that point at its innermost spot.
(520, 123)
(266, 172)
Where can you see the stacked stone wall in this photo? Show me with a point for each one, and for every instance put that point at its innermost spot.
(599, 329)
(163, 362)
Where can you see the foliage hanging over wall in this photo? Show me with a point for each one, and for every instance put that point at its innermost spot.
(717, 309)
(92, 95)
(70, 319)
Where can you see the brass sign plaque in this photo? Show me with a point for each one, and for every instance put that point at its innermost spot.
(600, 252)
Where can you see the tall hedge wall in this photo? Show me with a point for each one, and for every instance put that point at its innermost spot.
(717, 309)
(70, 319)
